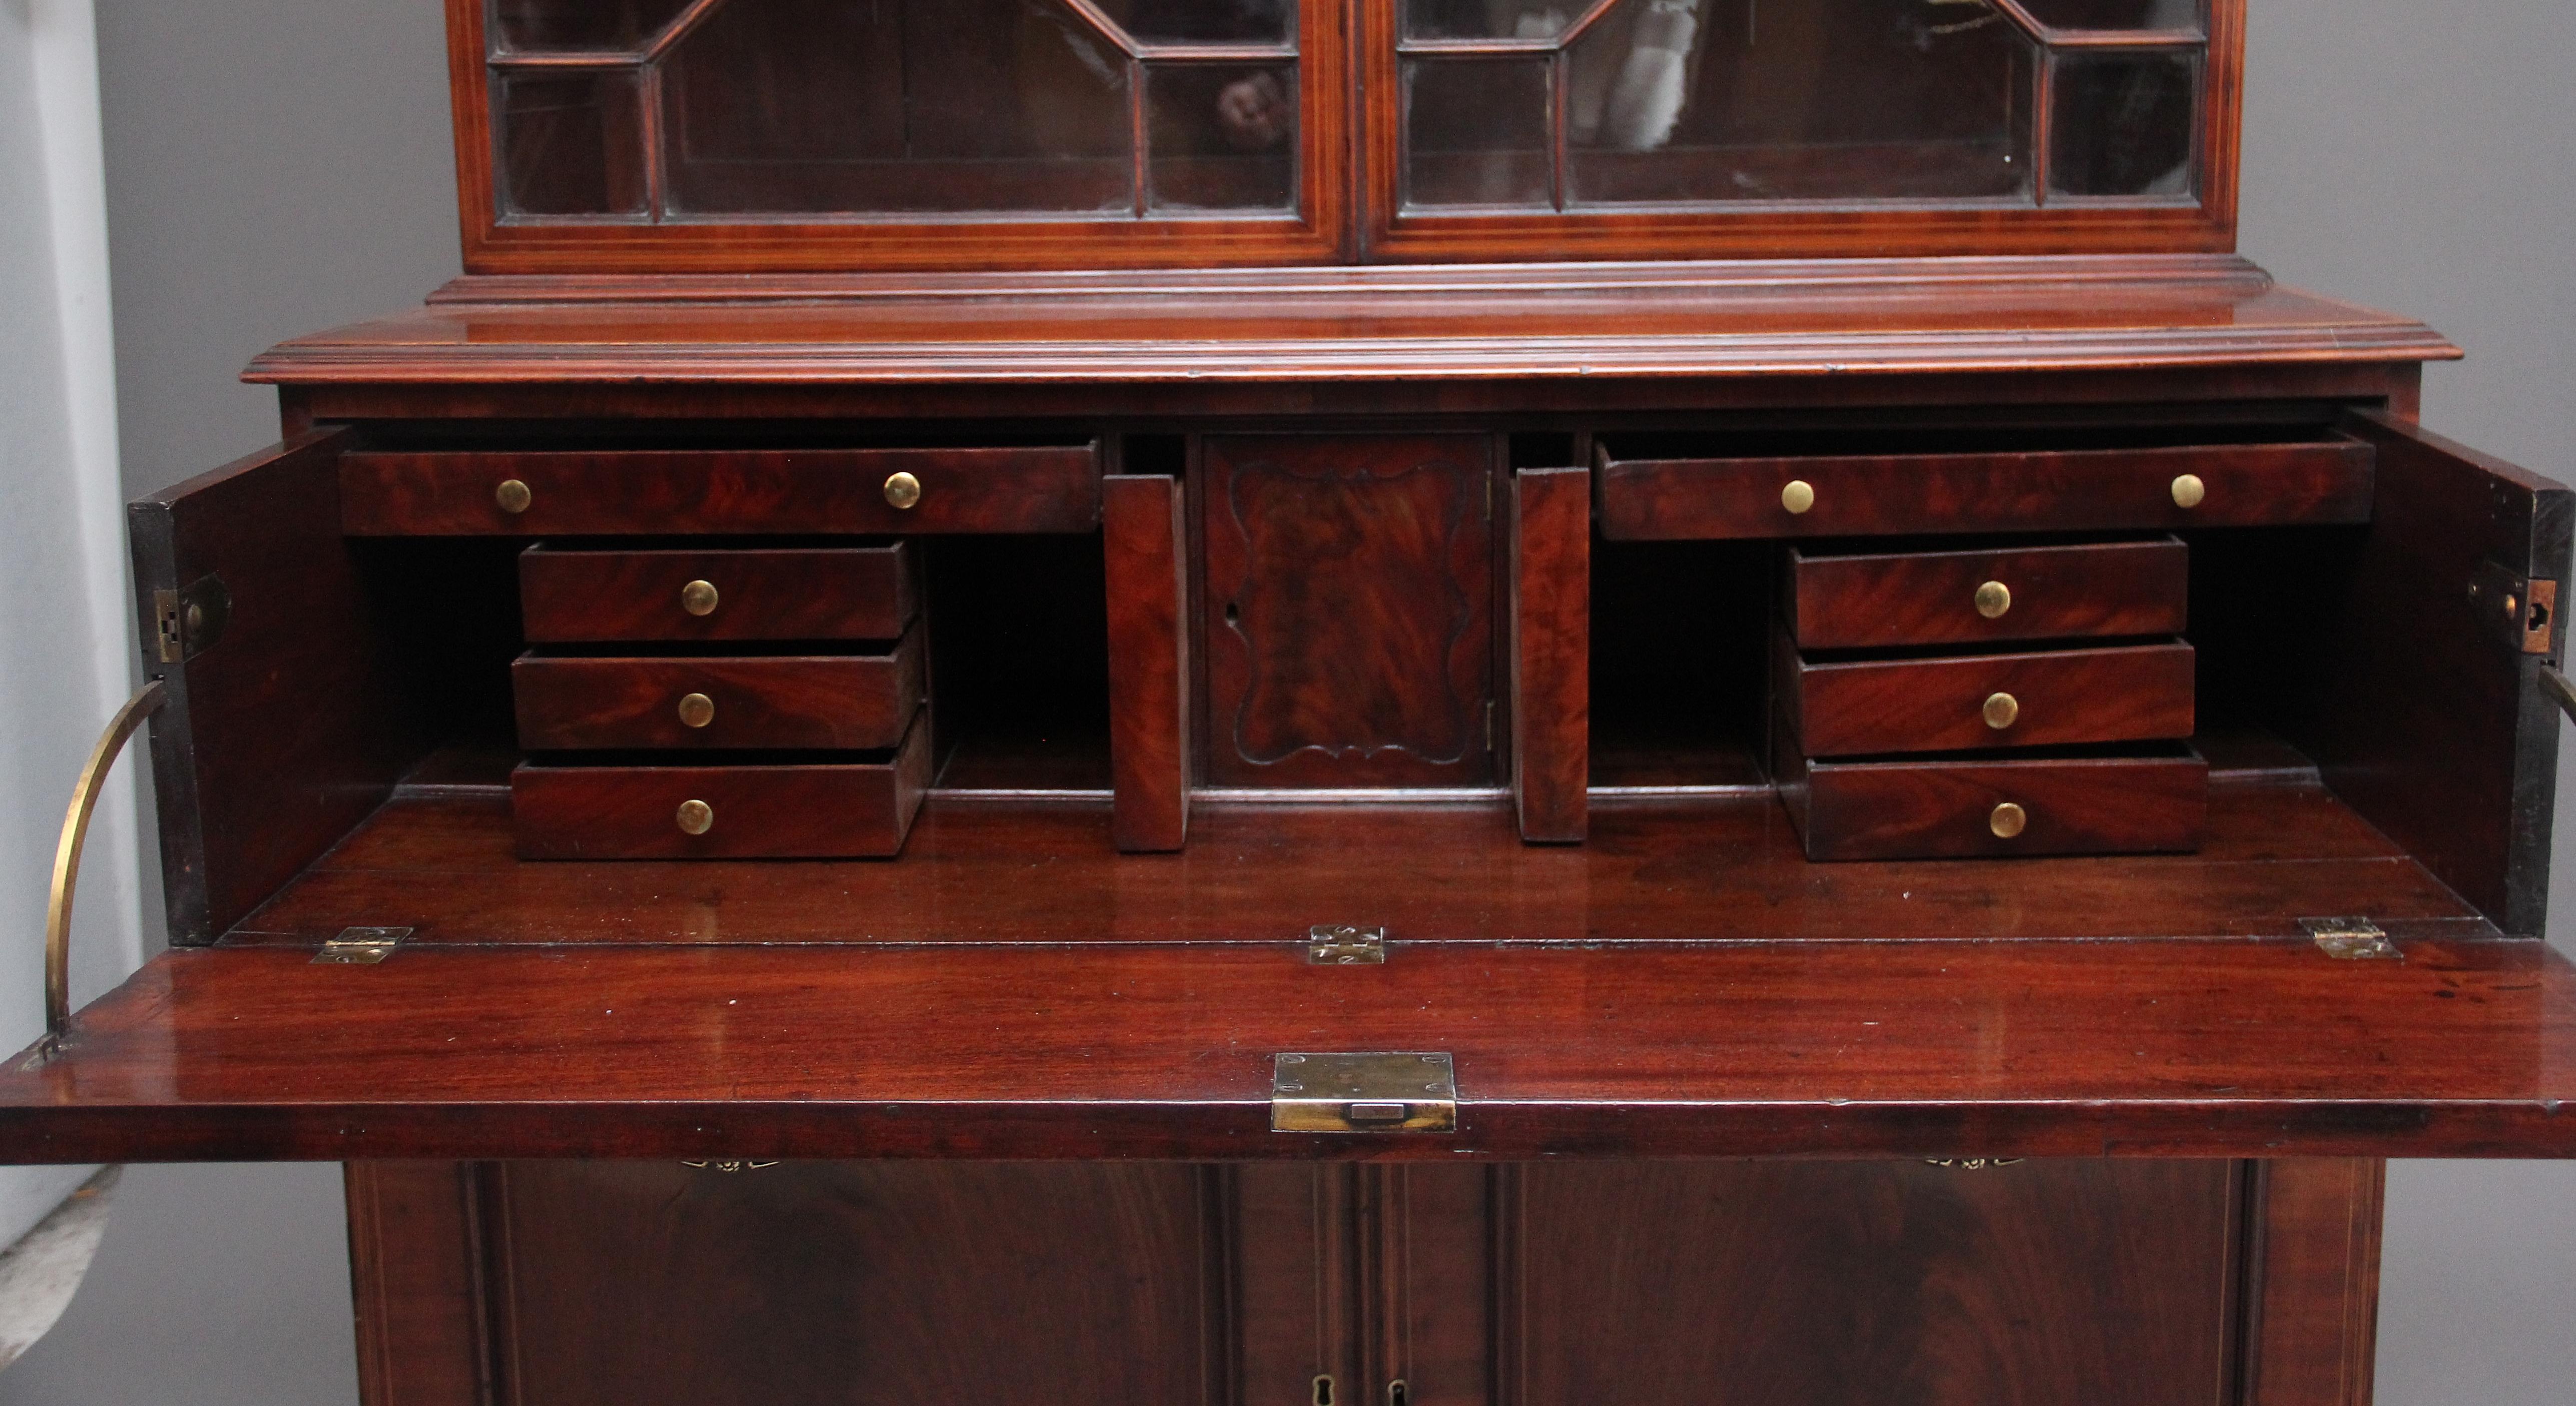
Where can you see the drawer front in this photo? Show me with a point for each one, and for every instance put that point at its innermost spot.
(752, 812)
(868, 592)
(2052, 698)
(2087, 490)
(2022, 593)
(854, 491)
(1952, 810)
(854, 703)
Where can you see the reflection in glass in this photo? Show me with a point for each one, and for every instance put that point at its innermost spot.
(2124, 125)
(1221, 136)
(1488, 19)
(568, 143)
(1476, 132)
(1204, 21)
(1718, 100)
(826, 106)
(585, 26)
(2115, 14)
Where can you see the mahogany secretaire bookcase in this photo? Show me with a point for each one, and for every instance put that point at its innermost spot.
(1347, 703)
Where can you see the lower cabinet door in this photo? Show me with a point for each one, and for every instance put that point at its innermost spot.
(2127, 1283)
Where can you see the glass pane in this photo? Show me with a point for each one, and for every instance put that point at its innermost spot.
(2123, 125)
(2110, 14)
(568, 143)
(830, 107)
(1712, 100)
(1205, 21)
(1476, 132)
(1489, 19)
(1221, 136)
(588, 26)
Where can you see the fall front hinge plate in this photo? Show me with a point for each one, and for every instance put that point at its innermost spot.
(1408, 1092)
(2352, 939)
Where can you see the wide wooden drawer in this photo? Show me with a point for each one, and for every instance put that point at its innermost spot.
(1048, 488)
(1997, 807)
(2325, 481)
(1958, 703)
(2093, 589)
(866, 591)
(803, 811)
(832, 702)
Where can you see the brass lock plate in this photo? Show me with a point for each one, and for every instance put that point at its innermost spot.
(1404, 1092)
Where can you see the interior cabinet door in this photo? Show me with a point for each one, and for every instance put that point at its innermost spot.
(884, 1283)
(1350, 610)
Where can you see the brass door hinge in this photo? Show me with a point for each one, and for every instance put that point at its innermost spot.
(360, 947)
(2353, 939)
(1337, 945)
(2520, 613)
(1410, 1092)
(187, 622)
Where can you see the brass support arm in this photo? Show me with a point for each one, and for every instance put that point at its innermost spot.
(67, 858)
(2560, 691)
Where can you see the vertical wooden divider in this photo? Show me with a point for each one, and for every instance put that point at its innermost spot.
(1551, 652)
(1145, 538)
(2313, 1326)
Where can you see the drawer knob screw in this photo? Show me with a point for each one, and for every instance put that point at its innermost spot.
(2188, 490)
(696, 817)
(513, 496)
(1993, 599)
(698, 598)
(903, 490)
(2007, 821)
(2002, 710)
(1799, 496)
(697, 710)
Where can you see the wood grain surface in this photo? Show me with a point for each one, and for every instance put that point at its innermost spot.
(1943, 808)
(1846, 1049)
(830, 702)
(1852, 707)
(1550, 581)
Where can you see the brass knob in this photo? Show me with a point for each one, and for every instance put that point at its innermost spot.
(697, 710)
(1993, 599)
(2188, 490)
(903, 490)
(1799, 496)
(2007, 821)
(696, 817)
(2002, 710)
(698, 598)
(513, 496)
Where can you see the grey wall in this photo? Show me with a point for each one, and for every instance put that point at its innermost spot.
(278, 165)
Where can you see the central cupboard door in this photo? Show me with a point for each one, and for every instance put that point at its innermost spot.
(1349, 605)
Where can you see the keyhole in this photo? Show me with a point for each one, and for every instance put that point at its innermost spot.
(1324, 1384)
(2538, 622)
(1395, 1394)
(1233, 616)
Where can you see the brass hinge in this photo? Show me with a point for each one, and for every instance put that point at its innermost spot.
(2353, 939)
(1333, 945)
(1412, 1092)
(360, 947)
(726, 1164)
(187, 622)
(2522, 614)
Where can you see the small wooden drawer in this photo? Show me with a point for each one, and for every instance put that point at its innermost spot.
(1863, 707)
(638, 493)
(834, 702)
(815, 811)
(868, 591)
(1997, 807)
(2098, 589)
(2325, 481)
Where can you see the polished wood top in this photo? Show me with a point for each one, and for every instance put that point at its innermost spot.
(1844, 1049)
(1568, 322)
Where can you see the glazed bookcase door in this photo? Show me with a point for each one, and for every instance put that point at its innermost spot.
(1676, 128)
(676, 135)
